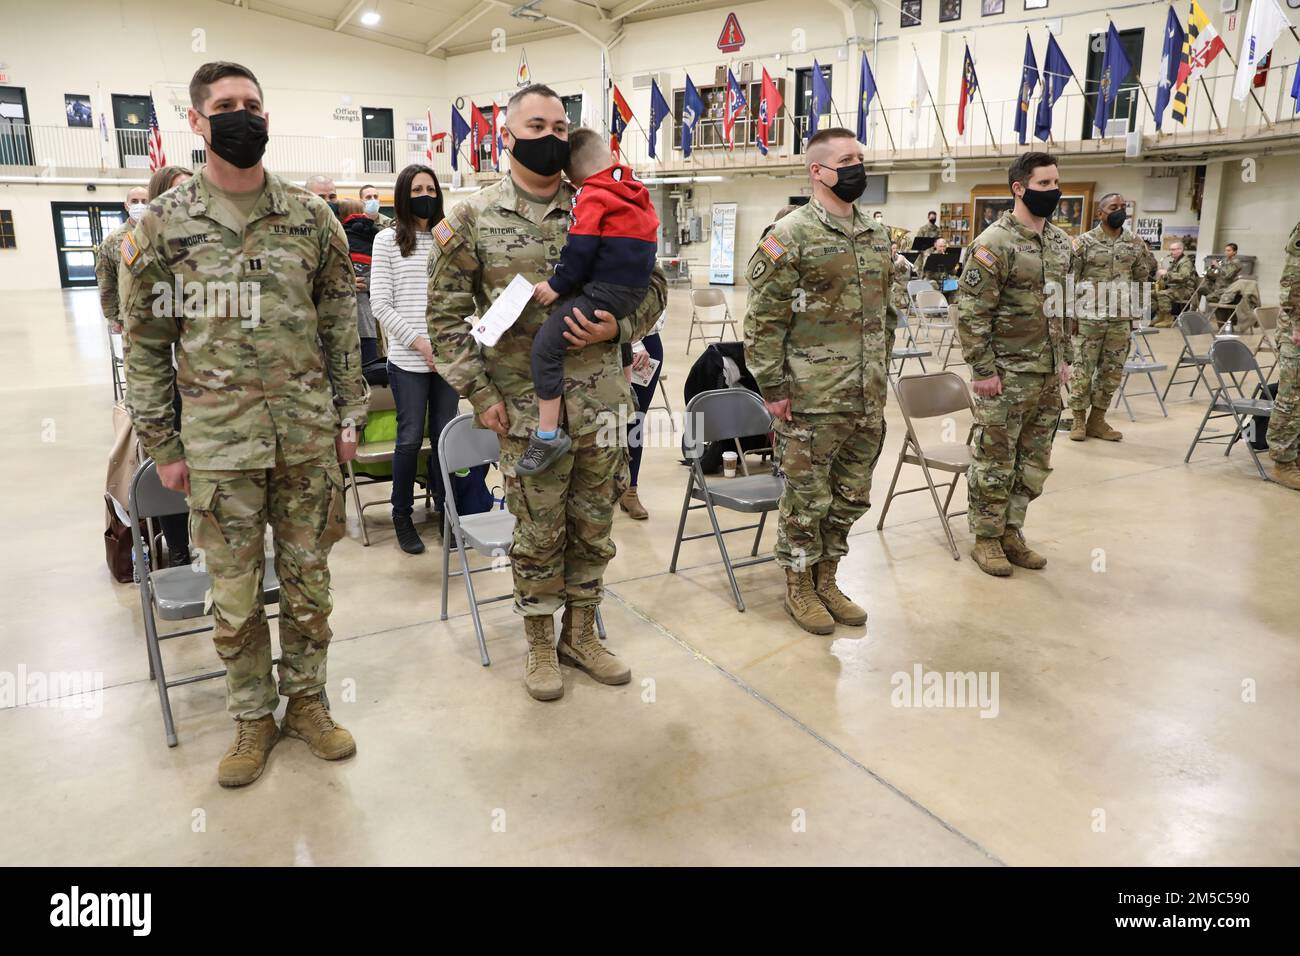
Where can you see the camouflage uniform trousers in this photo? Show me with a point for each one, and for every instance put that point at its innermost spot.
(827, 460)
(1012, 450)
(563, 519)
(229, 511)
(1173, 299)
(1284, 424)
(1100, 348)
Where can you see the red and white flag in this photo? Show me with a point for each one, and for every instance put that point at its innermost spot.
(157, 158)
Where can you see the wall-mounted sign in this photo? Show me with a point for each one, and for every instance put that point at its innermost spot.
(722, 244)
(1149, 229)
(347, 114)
(732, 37)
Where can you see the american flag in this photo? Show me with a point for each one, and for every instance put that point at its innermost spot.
(157, 158)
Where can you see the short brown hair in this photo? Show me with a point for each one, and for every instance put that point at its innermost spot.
(161, 180)
(209, 73)
(541, 89)
(1024, 166)
(831, 132)
(582, 141)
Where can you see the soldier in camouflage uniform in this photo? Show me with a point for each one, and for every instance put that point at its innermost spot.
(248, 278)
(1110, 269)
(1180, 282)
(1019, 354)
(931, 228)
(1223, 273)
(902, 274)
(1284, 424)
(563, 515)
(108, 257)
(817, 341)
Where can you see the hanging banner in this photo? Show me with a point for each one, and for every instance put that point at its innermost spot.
(1149, 229)
(722, 245)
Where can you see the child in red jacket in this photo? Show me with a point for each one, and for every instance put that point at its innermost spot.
(605, 264)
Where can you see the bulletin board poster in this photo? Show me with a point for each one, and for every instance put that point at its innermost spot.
(722, 244)
(1149, 229)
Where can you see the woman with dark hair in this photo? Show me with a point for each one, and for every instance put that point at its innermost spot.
(398, 293)
(165, 178)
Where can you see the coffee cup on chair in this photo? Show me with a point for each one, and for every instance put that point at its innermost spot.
(729, 459)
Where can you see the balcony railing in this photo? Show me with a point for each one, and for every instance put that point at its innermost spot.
(1214, 120)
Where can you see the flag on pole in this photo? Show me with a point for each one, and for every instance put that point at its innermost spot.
(1295, 92)
(821, 99)
(735, 104)
(478, 131)
(916, 103)
(1028, 82)
(433, 141)
(459, 130)
(769, 104)
(969, 84)
(1264, 25)
(1201, 46)
(157, 158)
(618, 121)
(1056, 71)
(866, 93)
(692, 109)
(659, 111)
(1171, 56)
(1115, 68)
(1261, 74)
(497, 145)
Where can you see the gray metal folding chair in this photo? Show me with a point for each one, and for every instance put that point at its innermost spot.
(1141, 361)
(1266, 317)
(118, 363)
(379, 452)
(726, 415)
(899, 356)
(1231, 358)
(1191, 325)
(173, 594)
(709, 307)
(930, 396)
(464, 445)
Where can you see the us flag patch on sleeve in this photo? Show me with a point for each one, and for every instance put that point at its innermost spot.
(443, 232)
(772, 246)
(129, 250)
(983, 255)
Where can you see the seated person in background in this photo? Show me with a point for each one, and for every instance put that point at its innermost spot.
(1176, 283)
(901, 274)
(605, 264)
(1223, 273)
(361, 231)
(927, 269)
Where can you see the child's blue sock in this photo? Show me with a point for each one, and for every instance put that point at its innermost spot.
(546, 436)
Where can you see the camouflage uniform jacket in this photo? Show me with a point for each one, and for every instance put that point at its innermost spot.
(1289, 318)
(819, 312)
(107, 260)
(926, 231)
(1181, 274)
(1100, 258)
(284, 376)
(1223, 273)
(478, 249)
(1002, 299)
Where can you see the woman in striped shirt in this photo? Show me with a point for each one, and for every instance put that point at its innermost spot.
(398, 294)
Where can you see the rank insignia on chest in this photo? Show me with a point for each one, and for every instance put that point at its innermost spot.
(773, 248)
(443, 232)
(983, 255)
(130, 252)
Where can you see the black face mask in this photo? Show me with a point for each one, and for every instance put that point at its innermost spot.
(852, 182)
(545, 156)
(932, 220)
(428, 208)
(1116, 218)
(238, 137)
(334, 208)
(1042, 202)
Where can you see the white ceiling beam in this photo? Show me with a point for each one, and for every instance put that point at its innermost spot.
(348, 14)
(453, 31)
(626, 9)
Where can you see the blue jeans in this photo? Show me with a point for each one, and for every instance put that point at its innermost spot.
(420, 397)
(644, 397)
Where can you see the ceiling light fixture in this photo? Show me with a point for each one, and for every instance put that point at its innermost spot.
(370, 18)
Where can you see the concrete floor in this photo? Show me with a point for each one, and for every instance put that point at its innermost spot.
(1120, 736)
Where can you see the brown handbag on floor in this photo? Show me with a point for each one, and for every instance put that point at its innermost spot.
(117, 546)
(123, 459)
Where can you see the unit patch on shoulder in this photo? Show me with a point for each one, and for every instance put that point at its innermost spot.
(760, 267)
(443, 232)
(983, 255)
(974, 276)
(130, 251)
(773, 247)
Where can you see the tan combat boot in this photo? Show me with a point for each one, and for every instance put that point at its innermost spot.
(632, 505)
(1097, 427)
(307, 718)
(835, 601)
(1079, 428)
(802, 603)
(988, 554)
(1287, 474)
(581, 648)
(1019, 553)
(542, 671)
(1164, 320)
(246, 759)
